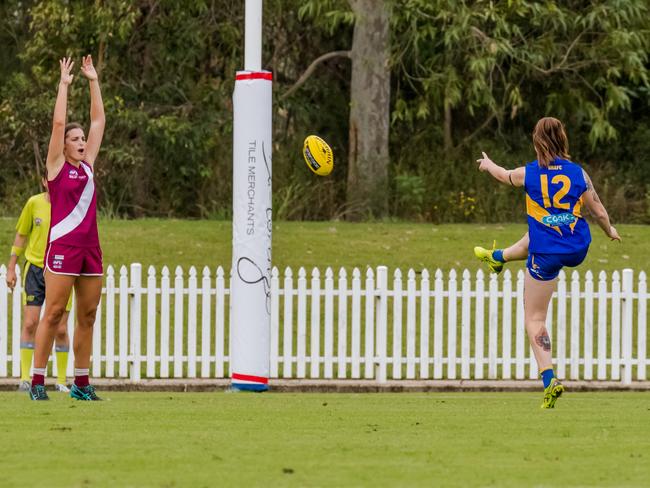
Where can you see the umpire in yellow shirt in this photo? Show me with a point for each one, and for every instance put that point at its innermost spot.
(34, 226)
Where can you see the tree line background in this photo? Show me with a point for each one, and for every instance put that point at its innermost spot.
(407, 92)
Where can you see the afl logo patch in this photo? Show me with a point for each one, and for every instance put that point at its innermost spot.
(37, 221)
(73, 175)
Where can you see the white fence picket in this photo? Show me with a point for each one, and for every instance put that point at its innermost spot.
(589, 326)
(397, 324)
(642, 332)
(520, 327)
(342, 371)
(425, 354)
(110, 322)
(314, 333)
(220, 323)
(356, 323)
(328, 346)
(4, 335)
(381, 314)
(165, 307)
(602, 326)
(465, 326)
(575, 326)
(287, 340)
(561, 336)
(275, 322)
(192, 291)
(493, 327)
(135, 307)
(479, 333)
(626, 331)
(452, 325)
(410, 325)
(506, 346)
(438, 340)
(179, 301)
(616, 327)
(123, 350)
(152, 296)
(206, 317)
(369, 332)
(16, 323)
(302, 323)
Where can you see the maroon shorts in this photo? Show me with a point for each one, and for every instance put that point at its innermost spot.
(74, 261)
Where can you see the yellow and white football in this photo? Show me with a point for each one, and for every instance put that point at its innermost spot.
(318, 155)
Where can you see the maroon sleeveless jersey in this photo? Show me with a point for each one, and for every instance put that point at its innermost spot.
(74, 207)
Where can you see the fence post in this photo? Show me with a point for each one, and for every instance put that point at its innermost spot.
(626, 333)
(642, 321)
(275, 321)
(369, 350)
(328, 345)
(381, 312)
(135, 299)
(16, 323)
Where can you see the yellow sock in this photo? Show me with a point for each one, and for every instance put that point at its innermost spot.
(61, 365)
(26, 355)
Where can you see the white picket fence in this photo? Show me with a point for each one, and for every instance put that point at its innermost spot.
(354, 326)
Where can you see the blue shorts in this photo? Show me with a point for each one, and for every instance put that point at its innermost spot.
(546, 267)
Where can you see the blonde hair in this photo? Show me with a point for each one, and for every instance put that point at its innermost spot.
(550, 141)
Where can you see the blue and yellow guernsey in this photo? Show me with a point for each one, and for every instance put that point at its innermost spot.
(553, 204)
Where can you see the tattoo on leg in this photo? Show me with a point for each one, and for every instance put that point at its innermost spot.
(543, 340)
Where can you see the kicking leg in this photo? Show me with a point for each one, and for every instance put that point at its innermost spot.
(496, 258)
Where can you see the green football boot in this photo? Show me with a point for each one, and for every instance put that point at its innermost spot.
(37, 392)
(485, 255)
(551, 393)
(86, 393)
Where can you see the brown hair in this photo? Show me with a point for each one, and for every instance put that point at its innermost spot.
(70, 126)
(550, 141)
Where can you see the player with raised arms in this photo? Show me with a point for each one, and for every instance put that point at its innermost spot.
(558, 235)
(32, 230)
(73, 257)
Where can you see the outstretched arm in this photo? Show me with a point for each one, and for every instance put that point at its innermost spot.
(97, 117)
(514, 177)
(55, 158)
(597, 209)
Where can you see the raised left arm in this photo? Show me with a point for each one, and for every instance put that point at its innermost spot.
(97, 117)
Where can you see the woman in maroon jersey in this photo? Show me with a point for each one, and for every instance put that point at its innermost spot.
(73, 257)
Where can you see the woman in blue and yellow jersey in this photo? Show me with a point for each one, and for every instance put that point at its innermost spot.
(557, 190)
(31, 230)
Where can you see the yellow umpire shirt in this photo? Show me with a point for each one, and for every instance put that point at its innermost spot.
(34, 221)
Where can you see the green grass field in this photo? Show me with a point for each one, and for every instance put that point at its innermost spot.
(336, 244)
(221, 439)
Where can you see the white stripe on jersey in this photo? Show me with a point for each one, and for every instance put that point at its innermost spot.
(78, 214)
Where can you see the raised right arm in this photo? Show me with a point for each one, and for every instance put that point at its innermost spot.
(55, 157)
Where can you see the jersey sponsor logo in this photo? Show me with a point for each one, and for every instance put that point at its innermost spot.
(73, 174)
(559, 219)
(38, 222)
